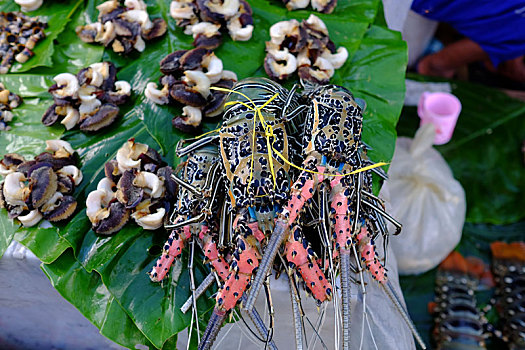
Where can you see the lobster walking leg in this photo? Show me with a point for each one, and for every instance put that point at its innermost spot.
(245, 261)
(342, 232)
(171, 250)
(302, 191)
(302, 258)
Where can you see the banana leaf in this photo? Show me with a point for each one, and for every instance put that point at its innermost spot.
(75, 256)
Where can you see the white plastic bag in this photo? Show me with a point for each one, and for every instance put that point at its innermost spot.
(427, 200)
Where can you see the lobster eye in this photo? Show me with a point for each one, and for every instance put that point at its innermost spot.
(361, 103)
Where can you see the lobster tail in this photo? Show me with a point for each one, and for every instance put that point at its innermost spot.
(458, 323)
(508, 251)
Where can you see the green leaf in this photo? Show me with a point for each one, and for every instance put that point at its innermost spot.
(8, 228)
(485, 152)
(87, 293)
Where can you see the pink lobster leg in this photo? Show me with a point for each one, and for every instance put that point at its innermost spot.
(172, 249)
(216, 259)
(302, 191)
(300, 256)
(245, 260)
(341, 220)
(369, 255)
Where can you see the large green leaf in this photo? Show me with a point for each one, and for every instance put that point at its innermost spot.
(87, 293)
(485, 152)
(374, 71)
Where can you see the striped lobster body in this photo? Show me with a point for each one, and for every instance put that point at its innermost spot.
(458, 323)
(509, 275)
(257, 178)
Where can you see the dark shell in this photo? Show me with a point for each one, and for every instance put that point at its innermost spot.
(84, 76)
(295, 43)
(50, 117)
(25, 166)
(208, 43)
(329, 7)
(59, 100)
(118, 217)
(207, 15)
(12, 159)
(270, 72)
(38, 165)
(14, 100)
(56, 162)
(150, 160)
(125, 28)
(187, 96)
(111, 171)
(217, 98)
(192, 59)
(331, 46)
(170, 65)
(305, 74)
(178, 122)
(112, 15)
(66, 184)
(3, 203)
(171, 186)
(169, 80)
(158, 30)
(246, 19)
(105, 116)
(64, 210)
(116, 99)
(128, 194)
(123, 45)
(85, 34)
(245, 8)
(43, 183)
(109, 83)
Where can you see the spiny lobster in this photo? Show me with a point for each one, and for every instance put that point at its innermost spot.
(257, 183)
(509, 274)
(194, 215)
(458, 322)
(254, 149)
(195, 218)
(333, 158)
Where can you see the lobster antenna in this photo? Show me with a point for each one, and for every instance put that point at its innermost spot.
(404, 314)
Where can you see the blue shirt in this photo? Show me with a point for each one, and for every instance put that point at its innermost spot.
(498, 26)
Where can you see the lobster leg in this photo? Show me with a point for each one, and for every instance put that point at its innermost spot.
(301, 257)
(209, 247)
(340, 212)
(172, 249)
(302, 191)
(245, 261)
